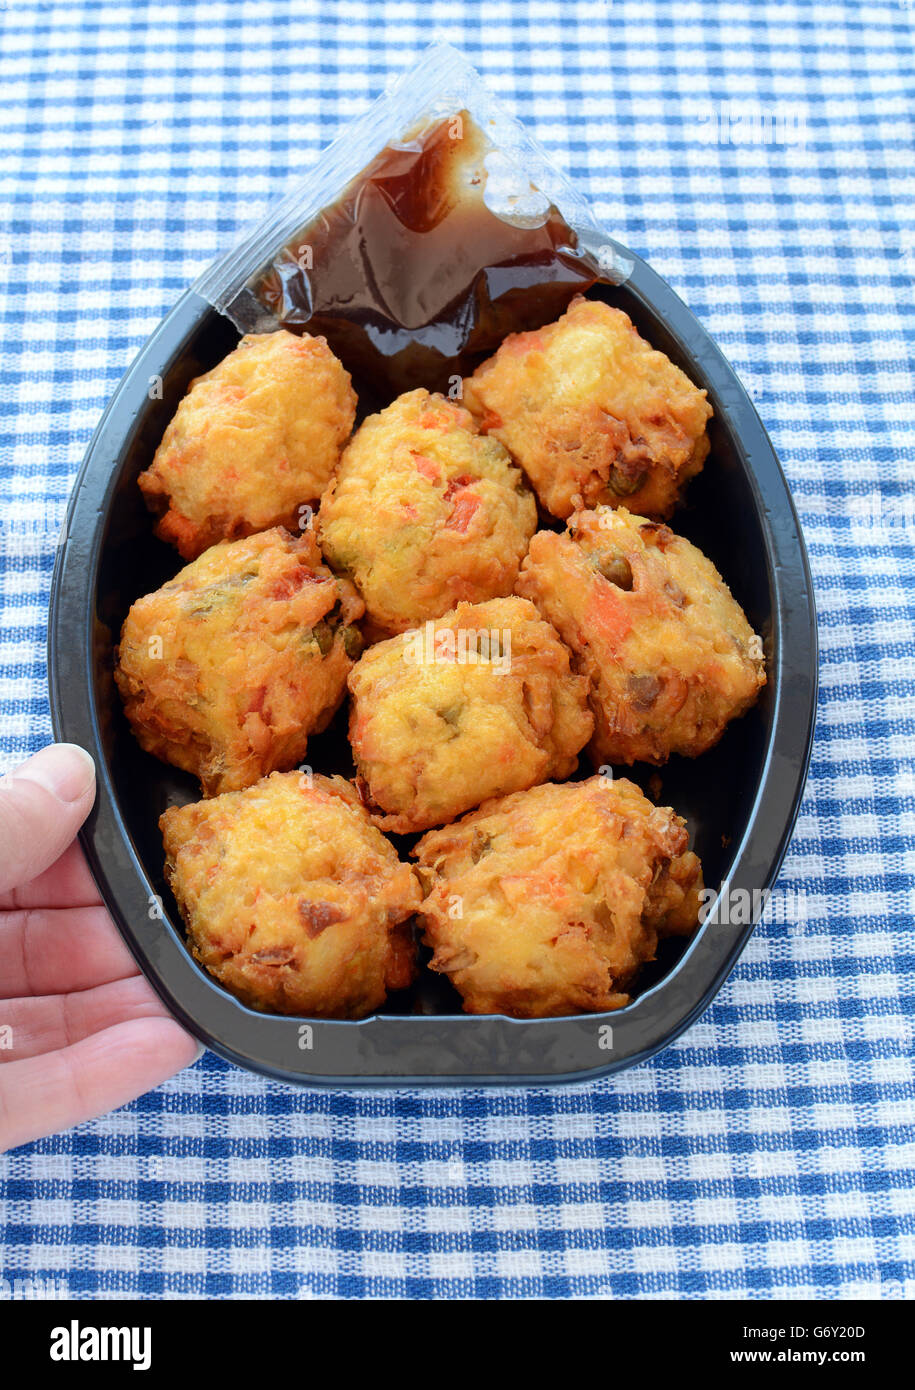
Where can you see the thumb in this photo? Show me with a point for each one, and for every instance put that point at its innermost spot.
(43, 803)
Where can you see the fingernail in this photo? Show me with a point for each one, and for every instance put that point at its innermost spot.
(64, 769)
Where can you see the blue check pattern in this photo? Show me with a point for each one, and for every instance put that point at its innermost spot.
(760, 156)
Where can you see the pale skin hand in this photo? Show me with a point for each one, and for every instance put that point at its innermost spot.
(88, 1033)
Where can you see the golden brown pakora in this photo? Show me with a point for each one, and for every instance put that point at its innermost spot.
(227, 669)
(424, 513)
(593, 413)
(547, 902)
(668, 651)
(477, 704)
(291, 897)
(252, 443)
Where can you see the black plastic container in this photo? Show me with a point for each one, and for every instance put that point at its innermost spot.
(740, 800)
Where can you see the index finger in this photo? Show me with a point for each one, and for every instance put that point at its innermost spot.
(67, 883)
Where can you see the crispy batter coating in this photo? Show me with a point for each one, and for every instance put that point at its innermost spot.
(424, 513)
(480, 703)
(593, 413)
(227, 669)
(291, 897)
(562, 893)
(252, 442)
(669, 653)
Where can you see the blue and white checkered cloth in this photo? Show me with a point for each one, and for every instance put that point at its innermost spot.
(760, 156)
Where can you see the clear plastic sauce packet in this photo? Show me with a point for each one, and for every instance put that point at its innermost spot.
(415, 254)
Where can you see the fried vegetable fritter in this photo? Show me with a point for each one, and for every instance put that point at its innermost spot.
(480, 703)
(548, 901)
(291, 897)
(668, 651)
(227, 669)
(253, 442)
(593, 413)
(424, 513)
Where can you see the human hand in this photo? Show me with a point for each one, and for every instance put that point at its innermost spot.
(81, 1032)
